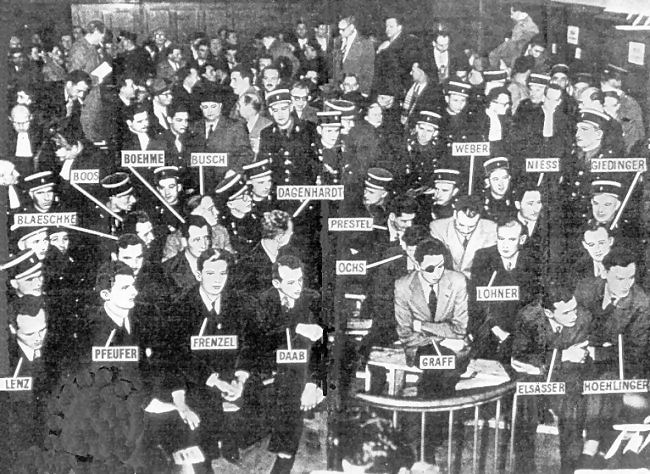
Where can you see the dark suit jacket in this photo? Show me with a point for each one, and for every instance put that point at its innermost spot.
(164, 70)
(360, 60)
(178, 272)
(393, 65)
(457, 61)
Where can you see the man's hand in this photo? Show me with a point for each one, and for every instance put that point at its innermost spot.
(235, 392)
(455, 345)
(577, 353)
(524, 368)
(215, 382)
(190, 418)
(500, 333)
(417, 325)
(311, 396)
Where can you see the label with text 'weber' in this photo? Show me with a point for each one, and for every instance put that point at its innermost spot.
(592, 387)
(446, 362)
(470, 148)
(115, 354)
(497, 293)
(342, 224)
(15, 384)
(209, 159)
(143, 159)
(84, 176)
(213, 343)
(46, 219)
(315, 193)
(618, 165)
(351, 267)
(541, 388)
(295, 356)
(542, 165)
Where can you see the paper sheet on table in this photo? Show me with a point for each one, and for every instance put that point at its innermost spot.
(101, 71)
(157, 406)
(482, 373)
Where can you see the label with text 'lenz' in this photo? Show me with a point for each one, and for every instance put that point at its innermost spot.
(294, 356)
(618, 165)
(115, 354)
(342, 224)
(15, 384)
(143, 159)
(350, 267)
(541, 388)
(213, 343)
(497, 293)
(84, 176)
(591, 387)
(470, 148)
(209, 159)
(446, 362)
(45, 219)
(542, 165)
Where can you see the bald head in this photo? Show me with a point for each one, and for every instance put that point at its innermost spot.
(20, 118)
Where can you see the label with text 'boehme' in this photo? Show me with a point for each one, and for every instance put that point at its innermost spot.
(470, 148)
(209, 159)
(541, 388)
(115, 354)
(143, 159)
(497, 293)
(45, 219)
(300, 193)
(295, 356)
(542, 165)
(618, 165)
(591, 387)
(15, 384)
(341, 224)
(351, 267)
(446, 362)
(84, 176)
(213, 343)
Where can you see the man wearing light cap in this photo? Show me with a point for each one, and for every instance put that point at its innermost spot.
(593, 98)
(40, 188)
(25, 274)
(423, 150)
(234, 201)
(32, 238)
(258, 178)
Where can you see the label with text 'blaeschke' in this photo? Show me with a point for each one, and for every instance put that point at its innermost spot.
(300, 193)
(45, 219)
(213, 343)
(542, 165)
(15, 384)
(341, 224)
(470, 148)
(593, 387)
(209, 159)
(445, 362)
(84, 176)
(351, 267)
(294, 356)
(497, 293)
(115, 354)
(541, 388)
(143, 159)
(618, 165)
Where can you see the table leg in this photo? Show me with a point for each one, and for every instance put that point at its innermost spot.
(422, 435)
(496, 437)
(392, 381)
(513, 421)
(474, 451)
(395, 419)
(449, 440)
(367, 379)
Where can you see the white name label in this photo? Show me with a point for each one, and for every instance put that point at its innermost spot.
(295, 356)
(84, 176)
(17, 384)
(350, 267)
(497, 293)
(438, 362)
(614, 386)
(470, 148)
(541, 388)
(542, 165)
(187, 456)
(299, 193)
(143, 159)
(115, 354)
(47, 219)
(339, 224)
(213, 343)
(209, 159)
(618, 165)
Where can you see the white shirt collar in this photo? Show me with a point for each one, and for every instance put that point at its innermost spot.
(120, 320)
(27, 351)
(209, 303)
(512, 260)
(143, 138)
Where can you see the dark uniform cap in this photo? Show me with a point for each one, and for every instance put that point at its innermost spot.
(498, 75)
(209, 92)
(277, 96)
(29, 305)
(559, 68)
(128, 35)
(378, 178)
(594, 117)
(37, 181)
(539, 79)
(25, 232)
(231, 187)
(459, 88)
(613, 188)
(22, 265)
(117, 184)
(613, 68)
(585, 77)
(165, 172)
(257, 170)
(348, 109)
(329, 119)
(443, 175)
(429, 117)
(160, 85)
(498, 162)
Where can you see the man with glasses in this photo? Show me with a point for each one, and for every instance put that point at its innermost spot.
(353, 54)
(302, 111)
(161, 91)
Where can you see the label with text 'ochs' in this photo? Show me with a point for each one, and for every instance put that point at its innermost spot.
(115, 354)
(470, 148)
(143, 159)
(294, 356)
(446, 362)
(342, 224)
(15, 384)
(541, 388)
(84, 176)
(542, 165)
(618, 165)
(45, 219)
(300, 193)
(351, 267)
(497, 293)
(213, 343)
(593, 387)
(209, 159)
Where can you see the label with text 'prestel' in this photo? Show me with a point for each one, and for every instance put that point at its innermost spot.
(342, 224)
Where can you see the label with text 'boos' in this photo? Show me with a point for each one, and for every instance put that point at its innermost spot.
(351, 267)
(497, 293)
(15, 384)
(592, 387)
(209, 159)
(542, 165)
(341, 224)
(84, 176)
(294, 356)
(541, 388)
(300, 193)
(618, 165)
(446, 362)
(143, 159)
(213, 343)
(115, 354)
(470, 148)
(45, 219)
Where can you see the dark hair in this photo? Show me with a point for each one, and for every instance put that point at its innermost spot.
(301, 84)
(592, 226)
(537, 40)
(496, 92)
(290, 261)
(192, 203)
(135, 110)
(274, 223)
(193, 221)
(183, 72)
(619, 257)
(524, 186)
(556, 291)
(244, 72)
(523, 64)
(212, 255)
(469, 205)
(254, 100)
(28, 305)
(93, 26)
(509, 221)
(107, 274)
(128, 240)
(177, 106)
(78, 76)
(415, 234)
(132, 219)
(430, 247)
(402, 205)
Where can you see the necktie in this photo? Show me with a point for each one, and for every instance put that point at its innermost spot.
(610, 306)
(433, 302)
(209, 131)
(23, 146)
(465, 241)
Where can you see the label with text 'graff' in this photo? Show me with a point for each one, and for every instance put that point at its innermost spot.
(445, 362)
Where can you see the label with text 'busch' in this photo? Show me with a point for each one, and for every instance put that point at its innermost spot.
(45, 219)
(143, 159)
(497, 293)
(591, 387)
(618, 165)
(300, 193)
(351, 267)
(294, 356)
(84, 176)
(209, 159)
(470, 148)
(542, 165)
(446, 362)
(341, 224)
(115, 354)
(213, 343)
(541, 388)
(15, 384)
